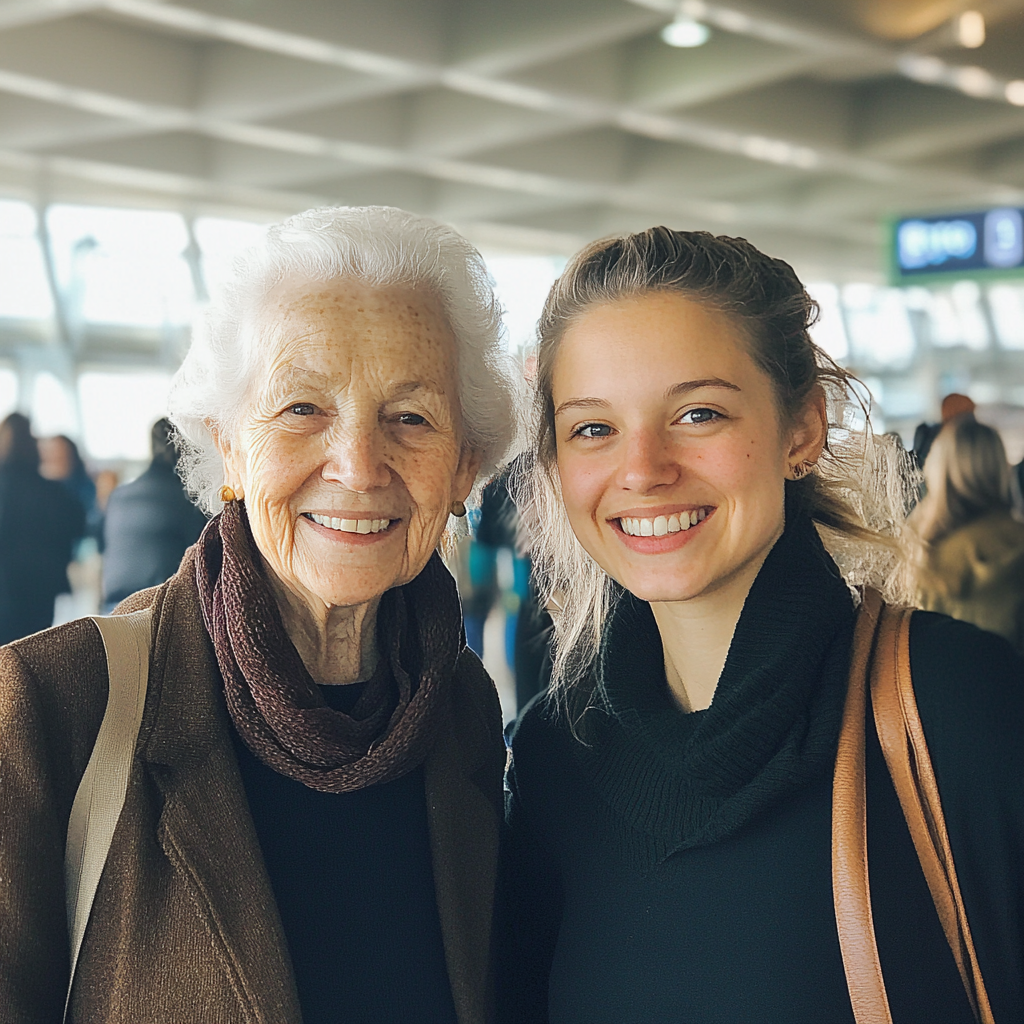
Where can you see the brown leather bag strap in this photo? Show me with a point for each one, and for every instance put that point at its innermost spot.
(851, 890)
(906, 753)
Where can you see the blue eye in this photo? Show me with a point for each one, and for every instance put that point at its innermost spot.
(411, 419)
(699, 416)
(592, 430)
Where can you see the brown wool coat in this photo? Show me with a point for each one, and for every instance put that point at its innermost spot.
(185, 927)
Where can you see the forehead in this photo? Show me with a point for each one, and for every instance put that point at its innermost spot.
(651, 337)
(344, 320)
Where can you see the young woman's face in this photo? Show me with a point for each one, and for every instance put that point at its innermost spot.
(671, 452)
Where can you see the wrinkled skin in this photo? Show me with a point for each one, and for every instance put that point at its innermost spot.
(354, 415)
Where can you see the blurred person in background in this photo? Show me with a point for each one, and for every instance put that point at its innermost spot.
(954, 404)
(39, 522)
(971, 557)
(148, 524)
(60, 460)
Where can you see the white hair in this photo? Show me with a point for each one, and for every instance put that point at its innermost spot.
(380, 246)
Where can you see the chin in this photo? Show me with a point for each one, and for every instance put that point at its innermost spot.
(658, 590)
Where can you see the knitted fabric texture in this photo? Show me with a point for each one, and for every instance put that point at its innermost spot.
(677, 781)
(274, 703)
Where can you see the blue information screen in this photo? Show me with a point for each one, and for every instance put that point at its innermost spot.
(960, 242)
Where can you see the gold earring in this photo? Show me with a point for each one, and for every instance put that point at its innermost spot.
(458, 509)
(227, 494)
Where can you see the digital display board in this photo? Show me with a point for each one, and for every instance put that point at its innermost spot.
(959, 243)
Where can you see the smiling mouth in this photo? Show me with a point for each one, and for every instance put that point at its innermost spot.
(362, 526)
(662, 526)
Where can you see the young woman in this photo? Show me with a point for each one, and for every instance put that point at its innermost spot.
(706, 497)
(971, 558)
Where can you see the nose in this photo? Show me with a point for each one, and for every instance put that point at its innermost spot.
(355, 457)
(647, 462)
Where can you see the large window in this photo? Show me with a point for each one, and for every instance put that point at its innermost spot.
(24, 290)
(121, 266)
(123, 277)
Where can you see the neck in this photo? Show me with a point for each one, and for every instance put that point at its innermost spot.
(336, 644)
(696, 635)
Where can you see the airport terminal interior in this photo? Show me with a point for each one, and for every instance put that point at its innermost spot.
(876, 145)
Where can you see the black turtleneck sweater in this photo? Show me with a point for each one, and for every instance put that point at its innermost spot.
(677, 868)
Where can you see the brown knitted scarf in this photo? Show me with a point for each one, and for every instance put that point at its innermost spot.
(276, 706)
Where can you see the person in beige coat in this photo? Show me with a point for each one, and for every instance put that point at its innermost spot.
(971, 555)
(310, 827)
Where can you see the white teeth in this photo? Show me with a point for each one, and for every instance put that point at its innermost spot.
(662, 525)
(351, 525)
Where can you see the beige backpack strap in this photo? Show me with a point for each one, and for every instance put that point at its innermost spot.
(906, 753)
(101, 793)
(851, 890)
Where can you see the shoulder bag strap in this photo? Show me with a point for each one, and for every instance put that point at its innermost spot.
(906, 753)
(851, 890)
(101, 793)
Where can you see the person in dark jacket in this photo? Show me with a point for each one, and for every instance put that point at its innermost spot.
(696, 526)
(39, 522)
(149, 524)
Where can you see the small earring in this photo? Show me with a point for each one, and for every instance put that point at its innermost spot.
(458, 509)
(802, 469)
(227, 494)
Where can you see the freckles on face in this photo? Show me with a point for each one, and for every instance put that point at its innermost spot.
(670, 452)
(350, 453)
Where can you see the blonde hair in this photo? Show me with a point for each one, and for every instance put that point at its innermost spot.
(858, 495)
(967, 476)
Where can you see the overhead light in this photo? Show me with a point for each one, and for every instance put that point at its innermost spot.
(685, 32)
(1015, 92)
(970, 29)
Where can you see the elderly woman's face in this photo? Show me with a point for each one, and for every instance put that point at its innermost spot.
(350, 453)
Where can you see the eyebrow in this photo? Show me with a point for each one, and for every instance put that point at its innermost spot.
(683, 388)
(409, 386)
(693, 385)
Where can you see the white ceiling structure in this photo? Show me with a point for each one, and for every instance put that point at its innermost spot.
(530, 124)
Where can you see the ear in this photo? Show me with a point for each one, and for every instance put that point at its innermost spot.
(808, 437)
(465, 475)
(234, 467)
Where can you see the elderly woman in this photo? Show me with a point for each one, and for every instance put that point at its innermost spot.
(698, 804)
(310, 825)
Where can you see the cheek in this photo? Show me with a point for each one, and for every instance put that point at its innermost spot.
(582, 483)
(277, 464)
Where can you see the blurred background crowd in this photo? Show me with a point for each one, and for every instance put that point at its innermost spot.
(874, 144)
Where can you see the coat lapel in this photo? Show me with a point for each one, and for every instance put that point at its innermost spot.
(205, 827)
(463, 821)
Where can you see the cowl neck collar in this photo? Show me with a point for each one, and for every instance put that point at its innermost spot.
(676, 780)
(276, 706)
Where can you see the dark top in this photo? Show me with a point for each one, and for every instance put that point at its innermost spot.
(353, 879)
(149, 524)
(39, 521)
(677, 867)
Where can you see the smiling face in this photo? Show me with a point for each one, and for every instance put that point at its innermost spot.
(350, 453)
(671, 451)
